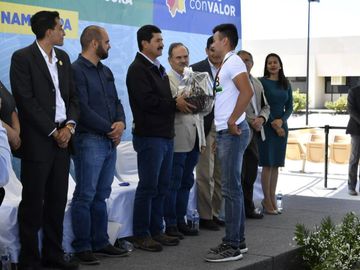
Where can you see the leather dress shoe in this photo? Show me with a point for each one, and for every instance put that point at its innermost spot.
(352, 192)
(218, 221)
(186, 230)
(60, 264)
(209, 224)
(28, 267)
(166, 240)
(255, 214)
(174, 232)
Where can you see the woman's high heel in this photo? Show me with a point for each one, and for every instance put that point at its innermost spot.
(268, 212)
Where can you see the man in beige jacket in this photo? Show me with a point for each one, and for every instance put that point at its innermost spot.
(189, 138)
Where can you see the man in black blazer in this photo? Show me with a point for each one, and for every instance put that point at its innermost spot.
(353, 128)
(208, 168)
(41, 82)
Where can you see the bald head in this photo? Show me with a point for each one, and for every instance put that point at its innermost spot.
(90, 33)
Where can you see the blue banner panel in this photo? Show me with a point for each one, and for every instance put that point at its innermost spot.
(196, 16)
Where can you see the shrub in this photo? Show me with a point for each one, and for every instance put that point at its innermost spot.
(299, 100)
(329, 246)
(340, 105)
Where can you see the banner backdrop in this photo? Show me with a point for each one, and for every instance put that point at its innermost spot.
(187, 21)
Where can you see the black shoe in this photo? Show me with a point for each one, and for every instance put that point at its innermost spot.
(352, 192)
(60, 264)
(186, 230)
(208, 224)
(87, 258)
(219, 222)
(111, 251)
(28, 267)
(147, 243)
(174, 232)
(255, 214)
(166, 240)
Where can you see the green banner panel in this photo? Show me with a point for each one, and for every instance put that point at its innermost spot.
(125, 12)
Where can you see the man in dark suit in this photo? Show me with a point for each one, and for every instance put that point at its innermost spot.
(41, 82)
(208, 168)
(257, 113)
(353, 128)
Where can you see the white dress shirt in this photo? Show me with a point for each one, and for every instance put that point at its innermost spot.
(60, 112)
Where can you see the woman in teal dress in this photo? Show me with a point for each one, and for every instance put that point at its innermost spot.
(272, 151)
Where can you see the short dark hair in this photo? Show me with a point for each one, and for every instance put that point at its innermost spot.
(209, 42)
(146, 33)
(228, 30)
(246, 52)
(42, 21)
(175, 45)
(90, 33)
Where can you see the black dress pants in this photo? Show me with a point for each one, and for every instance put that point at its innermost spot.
(44, 198)
(2, 194)
(249, 173)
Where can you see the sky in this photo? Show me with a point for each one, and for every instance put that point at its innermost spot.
(279, 19)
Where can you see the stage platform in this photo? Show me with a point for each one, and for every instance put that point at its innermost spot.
(269, 241)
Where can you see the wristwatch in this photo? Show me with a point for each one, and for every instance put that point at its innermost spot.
(71, 129)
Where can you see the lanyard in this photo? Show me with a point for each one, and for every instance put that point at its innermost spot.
(216, 87)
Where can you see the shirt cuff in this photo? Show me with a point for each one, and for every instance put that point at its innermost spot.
(71, 122)
(51, 133)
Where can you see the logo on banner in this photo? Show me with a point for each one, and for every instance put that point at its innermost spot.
(176, 6)
(216, 7)
(195, 16)
(15, 18)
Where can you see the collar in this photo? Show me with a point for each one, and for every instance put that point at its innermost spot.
(178, 76)
(212, 66)
(156, 62)
(53, 54)
(87, 63)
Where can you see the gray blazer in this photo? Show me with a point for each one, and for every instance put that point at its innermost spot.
(262, 105)
(186, 124)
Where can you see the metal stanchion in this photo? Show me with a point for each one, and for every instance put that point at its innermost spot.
(326, 151)
(326, 130)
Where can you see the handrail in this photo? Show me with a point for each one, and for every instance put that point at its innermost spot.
(326, 131)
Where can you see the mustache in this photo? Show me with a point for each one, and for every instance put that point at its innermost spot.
(160, 48)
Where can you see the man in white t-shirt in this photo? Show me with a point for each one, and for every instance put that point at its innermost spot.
(233, 94)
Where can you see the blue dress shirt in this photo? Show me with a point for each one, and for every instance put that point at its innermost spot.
(100, 106)
(5, 157)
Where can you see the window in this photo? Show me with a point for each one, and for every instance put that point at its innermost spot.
(298, 83)
(341, 89)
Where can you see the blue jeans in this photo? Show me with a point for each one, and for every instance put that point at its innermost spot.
(94, 173)
(181, 181)
(154, 159)
(230, 151)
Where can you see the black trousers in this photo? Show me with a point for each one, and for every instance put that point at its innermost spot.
(2, 194)
(44, 198)
(249, 172)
